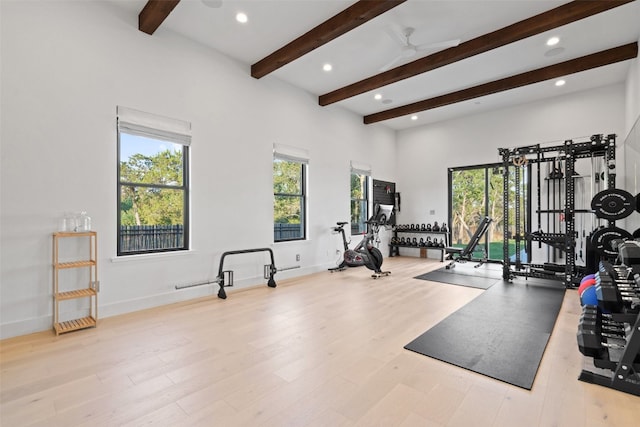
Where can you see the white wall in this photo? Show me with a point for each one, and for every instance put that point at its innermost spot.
(632, 99)
(425, 153)
(65, 67)
(632, 139)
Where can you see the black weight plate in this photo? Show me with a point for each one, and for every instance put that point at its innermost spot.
(638, 202)
(636, 234)
(613, 204)
(603, 238)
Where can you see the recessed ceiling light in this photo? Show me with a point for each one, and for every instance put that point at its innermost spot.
(327, 67)
(377, 96)
(414, 117)
(553, 52)
(553, 41)
(560, 82)
(241, 17)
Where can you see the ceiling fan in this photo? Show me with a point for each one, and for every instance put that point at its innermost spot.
(410, 50)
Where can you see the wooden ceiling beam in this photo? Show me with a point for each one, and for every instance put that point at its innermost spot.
(605, 57)
(562, 15)
(154, 13)
(345, 21)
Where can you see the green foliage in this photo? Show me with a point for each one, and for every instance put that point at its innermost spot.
(142, 205)
(287, 190)
(469, 199)
(358, 202)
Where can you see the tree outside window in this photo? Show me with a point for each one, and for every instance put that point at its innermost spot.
(359, 203)
(152, 196)
(288, 200)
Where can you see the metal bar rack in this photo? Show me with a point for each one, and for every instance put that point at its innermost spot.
(568, 152)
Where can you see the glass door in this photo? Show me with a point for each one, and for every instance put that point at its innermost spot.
(476, 192)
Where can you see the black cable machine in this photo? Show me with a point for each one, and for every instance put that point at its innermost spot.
(561, 243)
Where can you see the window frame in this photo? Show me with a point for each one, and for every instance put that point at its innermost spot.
(157, 134)
(361, 227)
(302, 196)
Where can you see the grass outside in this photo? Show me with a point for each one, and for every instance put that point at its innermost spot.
(495, 249)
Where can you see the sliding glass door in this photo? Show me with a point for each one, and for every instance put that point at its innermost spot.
(476, 192)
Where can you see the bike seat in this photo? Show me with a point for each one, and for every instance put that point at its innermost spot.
(341, 223)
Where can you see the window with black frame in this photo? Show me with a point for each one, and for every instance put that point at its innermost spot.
(359, 202)
(153, 185)
(360, 183)
(289, 196)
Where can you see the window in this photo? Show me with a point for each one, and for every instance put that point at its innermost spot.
(153, 184)
(360, 180)
(289, 196)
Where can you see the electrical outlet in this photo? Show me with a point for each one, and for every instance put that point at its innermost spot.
(297, 257)
(432, 212)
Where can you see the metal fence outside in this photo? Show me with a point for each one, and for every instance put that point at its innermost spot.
(136, 238)
(287, 232)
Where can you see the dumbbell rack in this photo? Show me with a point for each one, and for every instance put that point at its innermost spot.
(625, 375)
(394, 248)
(622, 325)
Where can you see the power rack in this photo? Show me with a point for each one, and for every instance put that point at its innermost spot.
(568, 152)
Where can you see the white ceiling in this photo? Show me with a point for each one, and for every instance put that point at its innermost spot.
(363, 51)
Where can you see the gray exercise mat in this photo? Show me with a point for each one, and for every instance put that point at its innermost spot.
(482, 278)
(501, 334)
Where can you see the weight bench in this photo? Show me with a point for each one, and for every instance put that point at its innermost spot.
(464, 254)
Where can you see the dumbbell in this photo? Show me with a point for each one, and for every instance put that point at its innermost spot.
(602, 326)
(435, 227)
(423, 227)
(611, 298)
(590, 337)
(616, 271)
(590, 343)
(421, 243)
(443, 227)
(624, 286)
(428, 243)
(591, 313)
(414, 242)
(428, 227)
(402, 241)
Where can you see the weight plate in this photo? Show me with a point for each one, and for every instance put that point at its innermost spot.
(638, 202)
(636, 234)
(613, 204)
(602, 240)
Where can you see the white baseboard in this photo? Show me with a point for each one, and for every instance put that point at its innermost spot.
(44, 323)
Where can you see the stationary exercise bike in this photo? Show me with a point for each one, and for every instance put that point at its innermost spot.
(365, 253)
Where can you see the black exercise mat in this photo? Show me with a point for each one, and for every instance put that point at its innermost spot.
(472, 277)
(501, 334)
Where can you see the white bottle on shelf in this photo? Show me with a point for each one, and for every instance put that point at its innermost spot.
(84, 223)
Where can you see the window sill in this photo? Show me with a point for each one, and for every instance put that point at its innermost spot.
(150, 257)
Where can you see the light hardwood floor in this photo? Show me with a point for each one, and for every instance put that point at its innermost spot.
(321, 350)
